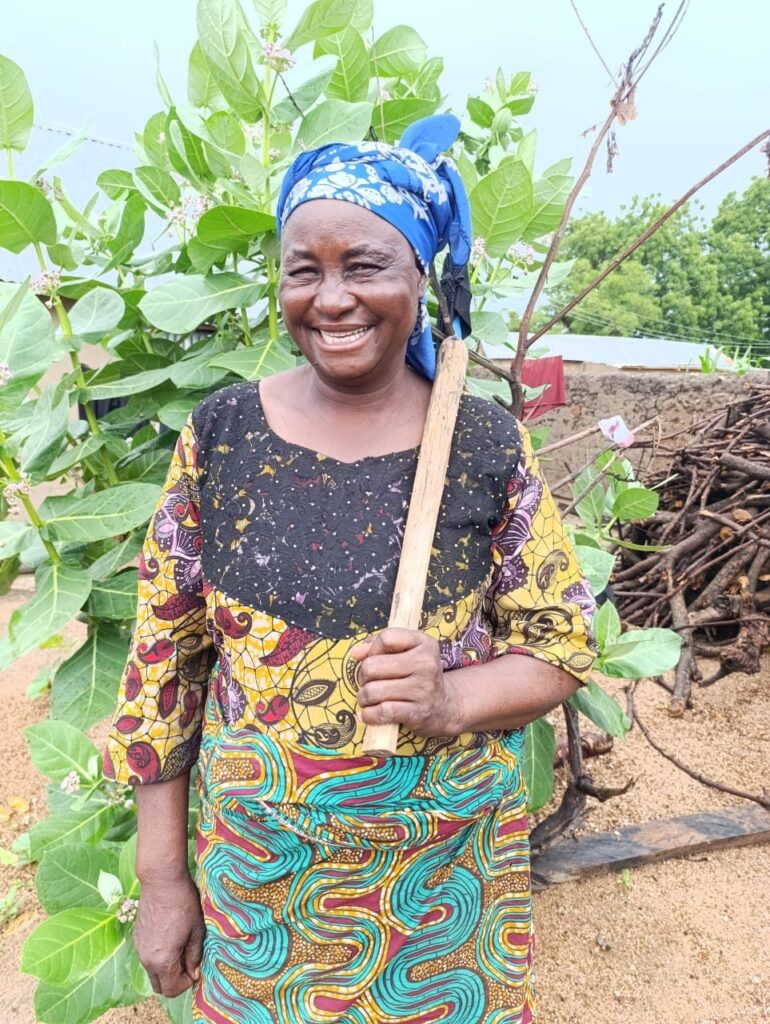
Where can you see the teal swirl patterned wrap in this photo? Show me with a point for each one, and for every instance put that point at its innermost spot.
(363, 890)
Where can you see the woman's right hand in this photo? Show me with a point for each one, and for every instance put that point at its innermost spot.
(168, 934)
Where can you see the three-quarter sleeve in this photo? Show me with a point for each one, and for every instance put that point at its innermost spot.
(538, 602)
(156, 733)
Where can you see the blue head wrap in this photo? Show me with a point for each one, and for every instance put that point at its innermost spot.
(412, 186)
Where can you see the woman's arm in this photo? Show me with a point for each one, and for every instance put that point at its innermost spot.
(169, 926)
(403, 681)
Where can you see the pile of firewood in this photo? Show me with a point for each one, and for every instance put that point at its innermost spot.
(711, 581)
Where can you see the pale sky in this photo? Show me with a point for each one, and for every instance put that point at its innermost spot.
(707, 95)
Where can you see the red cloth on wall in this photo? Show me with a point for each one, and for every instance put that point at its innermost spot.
(536, 372)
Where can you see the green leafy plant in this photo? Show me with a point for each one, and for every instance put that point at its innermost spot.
(171, 269)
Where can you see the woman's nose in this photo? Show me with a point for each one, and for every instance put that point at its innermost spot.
(333, 298)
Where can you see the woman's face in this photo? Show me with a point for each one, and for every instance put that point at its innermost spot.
(349, 292)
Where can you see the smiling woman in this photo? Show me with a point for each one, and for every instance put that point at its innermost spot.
(337, 886)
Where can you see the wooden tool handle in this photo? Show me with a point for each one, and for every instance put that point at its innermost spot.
(424, 505)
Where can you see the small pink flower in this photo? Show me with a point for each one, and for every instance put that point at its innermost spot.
(277, 57)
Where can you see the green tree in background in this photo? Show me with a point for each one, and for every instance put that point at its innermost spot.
(692, 280)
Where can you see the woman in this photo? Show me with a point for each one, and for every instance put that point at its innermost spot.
(337, 886)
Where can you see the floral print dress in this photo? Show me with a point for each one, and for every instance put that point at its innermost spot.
(337, 886)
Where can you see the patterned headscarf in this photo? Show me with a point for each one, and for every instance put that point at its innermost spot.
(412, 186)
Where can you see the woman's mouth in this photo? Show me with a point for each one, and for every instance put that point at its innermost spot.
(341, 339)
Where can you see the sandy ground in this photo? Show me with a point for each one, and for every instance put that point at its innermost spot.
(681, 942)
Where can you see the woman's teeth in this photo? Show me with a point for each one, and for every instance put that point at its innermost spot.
(342, 339)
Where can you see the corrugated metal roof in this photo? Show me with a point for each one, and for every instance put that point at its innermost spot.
(650, 353)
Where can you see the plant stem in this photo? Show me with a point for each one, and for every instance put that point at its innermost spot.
(272, 298)
(9, 157)
(14, 475)
(93, 423)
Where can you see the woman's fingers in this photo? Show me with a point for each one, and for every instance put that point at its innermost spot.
(193, 953)
(386, 666)
(390, 641)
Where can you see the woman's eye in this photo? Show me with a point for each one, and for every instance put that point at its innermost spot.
(364, 268)
(302, 272)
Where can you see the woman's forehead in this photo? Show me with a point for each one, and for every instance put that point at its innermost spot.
(323, 222)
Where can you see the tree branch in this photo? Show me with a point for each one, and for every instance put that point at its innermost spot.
(615, 263)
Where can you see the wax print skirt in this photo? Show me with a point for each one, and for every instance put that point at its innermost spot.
(363, 890)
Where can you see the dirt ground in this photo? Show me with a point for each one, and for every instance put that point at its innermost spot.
(681, 942)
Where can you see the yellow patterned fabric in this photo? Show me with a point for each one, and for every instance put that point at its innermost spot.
(339, 887)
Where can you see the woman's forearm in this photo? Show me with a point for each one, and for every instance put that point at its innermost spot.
(162, 807)
(506, 693)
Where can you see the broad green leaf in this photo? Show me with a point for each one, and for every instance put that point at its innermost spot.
(179, 1010)
(131, 384)
(501, 206)
(61, 591)
(14, 537)
(62, 153)
(86, 825)
(321, 18)
(158, 187)
(174, 414)
(16, 108)
(606, 625)
(270, 12)
(516, 286)
(65, 946)
(68, 876)
(226, 133)
(85, 685)
(72, 519)
(425, 83)
(117, 556)
(127, 867)
(149, 467)
(641, 653)
(97, 313)
(116, 182)
(49, 425)
(256, 362)
(153, 140)
(334, 121)
(590, 508)
(467, 170)
(183, 305)
(27, 339)
(195, 372)
(399, 51)
(490, 328)
(525, 151)
(539, 749)
(75, 454)
(115, 598)
(391, 118)
(601, 709)
(481, 113)
(109, 887)
(302, 99)
(163, 91)
(597, 566)
(350, 81)
(107, 983)
(130, 231)
(202, 90)
(224, 230)
(489, 389)
(550, 195)
(635, 503)
(186, 150)
(226, 50)
(26, 217)
(58, 748)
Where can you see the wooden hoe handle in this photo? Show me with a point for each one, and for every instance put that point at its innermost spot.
(430, 477)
